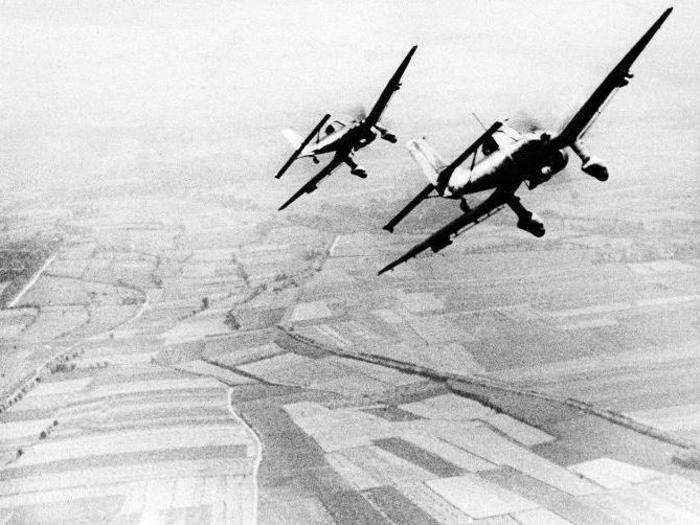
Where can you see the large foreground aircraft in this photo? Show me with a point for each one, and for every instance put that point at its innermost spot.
(343, 137)
(510, 159)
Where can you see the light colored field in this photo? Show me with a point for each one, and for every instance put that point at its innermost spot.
(330, 334)
(323, 374)
(352, 472)
(388, 316)
(613, 474)
(656, 267)
(449, 407)
(342, 429)
(380, 373)
(54, 321)
(314, 310)
(131, 441)
(428, 500)
(447, 451)
(449, 357)
(439, 329)
(538, 516)
(421, 302)
(196, 328)
(384, 466)
(60, 387)
(478, 498)
(133, 387)
(589, 323)
(305, 409)
(17, 429)
(249, 354)
(522, 433)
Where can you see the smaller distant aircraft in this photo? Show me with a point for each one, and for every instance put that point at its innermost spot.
(510, 159)
(343, 137)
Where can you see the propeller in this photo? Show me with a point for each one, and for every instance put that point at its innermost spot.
(358, 113)
(524, 122)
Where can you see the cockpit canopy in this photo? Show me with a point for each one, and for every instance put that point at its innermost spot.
(334, 126)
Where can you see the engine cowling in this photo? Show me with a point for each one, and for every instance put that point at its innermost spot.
(533, 225)
(365, 139)
(553, 164)
(558, 161)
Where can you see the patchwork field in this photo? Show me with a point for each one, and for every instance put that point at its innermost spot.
(174, 350)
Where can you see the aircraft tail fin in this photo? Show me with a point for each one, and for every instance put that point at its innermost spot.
(292, 137)
(427, 158)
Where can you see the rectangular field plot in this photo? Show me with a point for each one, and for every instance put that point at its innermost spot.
(439, 329)
(479, 498)
(312, 310)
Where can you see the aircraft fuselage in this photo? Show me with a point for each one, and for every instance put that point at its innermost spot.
(529, 158)
(350, 138)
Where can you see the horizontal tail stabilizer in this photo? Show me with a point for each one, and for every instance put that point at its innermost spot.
(293, 138)
(427, 158)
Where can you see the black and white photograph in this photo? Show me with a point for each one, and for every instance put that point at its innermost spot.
(290, 262)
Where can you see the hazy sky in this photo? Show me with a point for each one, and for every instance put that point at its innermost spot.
(130, 62)
(232, 67)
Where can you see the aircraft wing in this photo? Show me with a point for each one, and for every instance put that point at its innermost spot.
(393, 85)
(424, 194)
(443, 237)
(617, 78)
(312, 184)
(300, 147)
(446, 173)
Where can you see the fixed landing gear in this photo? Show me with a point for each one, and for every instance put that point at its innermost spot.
(464, 206)
(355, 169)
(590, 165)
(532, 225)
(527, 220)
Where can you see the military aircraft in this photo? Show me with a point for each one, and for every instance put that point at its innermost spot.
(343, 137)
(510, 159)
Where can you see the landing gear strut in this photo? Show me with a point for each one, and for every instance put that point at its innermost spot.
(527, 220)
(355, 169)
(590, 165)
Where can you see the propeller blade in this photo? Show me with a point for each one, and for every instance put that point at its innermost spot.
(357, 113)
(523, 122)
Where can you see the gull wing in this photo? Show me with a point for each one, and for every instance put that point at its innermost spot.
(616, 79)
(312, 184)
(442, 175)
(393, 85)
(443, 237)
(301, 146)
(445, 174)
(424, 194)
